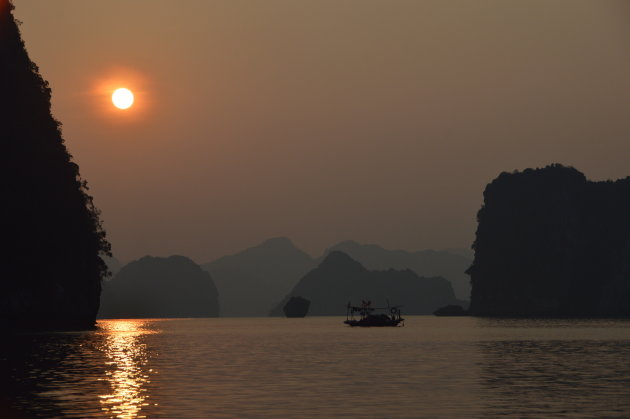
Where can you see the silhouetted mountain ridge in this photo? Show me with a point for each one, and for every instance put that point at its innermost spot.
(251, 281)
(339, 279)
(425, 263)
(160, 287)
(338, 261)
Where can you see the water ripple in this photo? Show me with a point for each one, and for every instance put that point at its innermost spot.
(316, 367)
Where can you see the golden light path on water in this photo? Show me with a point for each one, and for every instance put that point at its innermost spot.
(127, 375)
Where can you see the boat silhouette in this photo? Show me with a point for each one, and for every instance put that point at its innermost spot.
(373, 316)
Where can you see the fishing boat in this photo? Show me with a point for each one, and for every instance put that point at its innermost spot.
(373, 316)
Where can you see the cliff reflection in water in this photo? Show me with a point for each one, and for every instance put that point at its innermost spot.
(127, 370)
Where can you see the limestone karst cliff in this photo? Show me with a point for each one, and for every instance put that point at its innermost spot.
(51, 235)
(551, 243)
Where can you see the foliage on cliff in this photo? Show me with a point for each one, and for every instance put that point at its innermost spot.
(551, 243)
(52, 238)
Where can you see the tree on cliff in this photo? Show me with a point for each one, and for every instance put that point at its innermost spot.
(551, 243)
(51, 235)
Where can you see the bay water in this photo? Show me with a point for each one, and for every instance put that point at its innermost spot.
(317, 367)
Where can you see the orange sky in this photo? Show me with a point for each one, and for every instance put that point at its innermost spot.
(378, 121)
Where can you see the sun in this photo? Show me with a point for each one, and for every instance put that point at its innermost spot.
(122, 98)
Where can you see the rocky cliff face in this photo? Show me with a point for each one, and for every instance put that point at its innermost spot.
(339, 279)
(160, 287)
(51, 240)
(551, 243)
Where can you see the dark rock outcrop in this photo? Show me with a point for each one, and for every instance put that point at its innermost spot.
(447, 264)
(551, 243)
(51, 237)
(340, 279)
(160, 287)
(252, 281)
(296, 307)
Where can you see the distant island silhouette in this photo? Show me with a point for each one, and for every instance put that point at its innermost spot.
(53, 240)
(339, 279)
(253, 280)
(552, 243)
(160, 287)
(450, 265)
(296, 307)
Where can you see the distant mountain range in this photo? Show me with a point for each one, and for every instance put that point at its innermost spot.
(159, 287)
(254, 280)
(446, 264)
(466, 252)
(339, 279)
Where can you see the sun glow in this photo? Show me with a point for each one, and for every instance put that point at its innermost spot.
(122, 98)
(121, 95)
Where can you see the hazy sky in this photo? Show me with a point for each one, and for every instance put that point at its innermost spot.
(378, 121)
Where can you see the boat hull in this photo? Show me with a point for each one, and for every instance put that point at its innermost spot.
(373, 323)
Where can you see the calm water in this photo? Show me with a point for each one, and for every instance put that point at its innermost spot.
(317, 367)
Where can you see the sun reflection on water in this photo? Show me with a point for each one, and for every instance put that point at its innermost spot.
(127, 368)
